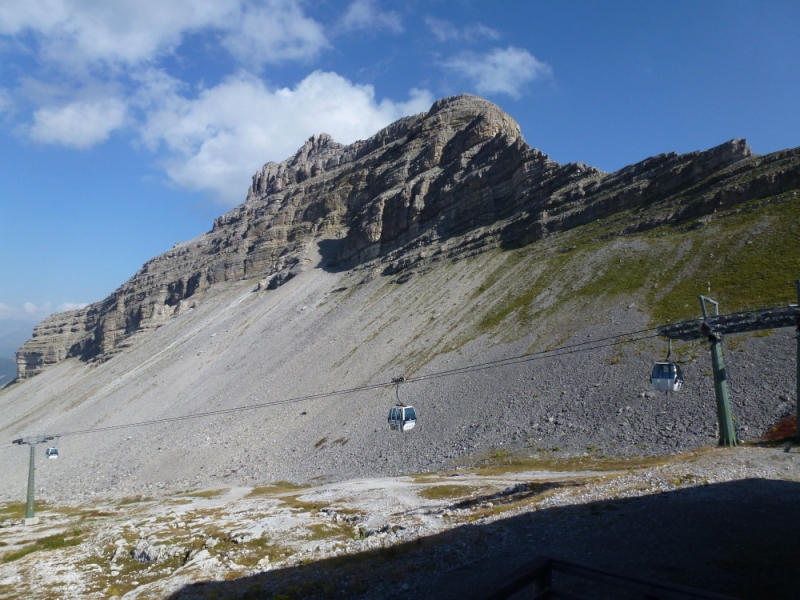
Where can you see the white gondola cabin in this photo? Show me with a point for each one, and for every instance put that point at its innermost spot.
(666, 377)
(51, 453)
(402, 418)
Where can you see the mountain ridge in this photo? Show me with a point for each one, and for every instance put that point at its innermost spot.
(446, 184)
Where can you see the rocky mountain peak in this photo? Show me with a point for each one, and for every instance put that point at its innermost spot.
(438, 186)
(317, 154)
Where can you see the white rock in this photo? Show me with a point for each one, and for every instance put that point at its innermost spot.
(200, 557)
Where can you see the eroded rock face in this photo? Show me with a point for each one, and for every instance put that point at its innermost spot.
(449, 183)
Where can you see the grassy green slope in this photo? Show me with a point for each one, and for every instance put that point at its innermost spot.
(749, 255)
(556, 286)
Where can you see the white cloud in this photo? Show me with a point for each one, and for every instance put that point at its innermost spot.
(84, 34)
(499, 71)
(272, 32)
(75, 32)
(30, 312)
(6, 101)
(78, 124)
(446, 31)
(31, 309)
(100, 68)
(8, 313)
(364, 14)
(66, 306)
(218, 140)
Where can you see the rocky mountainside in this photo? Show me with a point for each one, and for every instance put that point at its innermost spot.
(451, 183)
(441, 243)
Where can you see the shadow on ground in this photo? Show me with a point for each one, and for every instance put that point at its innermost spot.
(735, 538)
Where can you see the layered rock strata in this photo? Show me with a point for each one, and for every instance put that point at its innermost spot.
(448, 183)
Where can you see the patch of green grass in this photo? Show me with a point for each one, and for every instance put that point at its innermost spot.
(747, 253)
(277, 487)
(497, 463)
(264, 546)
(129, 570)
(295, 502)
(345, 358)
(324, 531)
(510, 260)
(14, 510)
(51, 542)
(742, 274)
(133, 500)
(97, 514)
(535, 492)
(622, 273)
(209, 493)
(447, 491)
(522, 291)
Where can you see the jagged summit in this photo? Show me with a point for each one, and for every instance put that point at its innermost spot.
(433, 187)
(318, 154)
(321, 153)
(456, 108)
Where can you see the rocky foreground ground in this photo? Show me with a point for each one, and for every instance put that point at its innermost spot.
(722, 520)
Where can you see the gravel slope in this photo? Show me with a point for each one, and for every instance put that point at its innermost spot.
(245, 346)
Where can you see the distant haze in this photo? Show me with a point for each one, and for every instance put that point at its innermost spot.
(8, 370)
(12, 335)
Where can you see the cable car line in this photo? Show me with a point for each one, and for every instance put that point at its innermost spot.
(527, 358)
(543, 354)
(523, 358)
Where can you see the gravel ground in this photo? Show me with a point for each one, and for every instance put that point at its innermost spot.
(722, 522)
(718, 519)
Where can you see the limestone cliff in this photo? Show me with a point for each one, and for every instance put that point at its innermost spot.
(442, 185)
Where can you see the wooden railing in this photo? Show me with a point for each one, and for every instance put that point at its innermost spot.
(538, 576)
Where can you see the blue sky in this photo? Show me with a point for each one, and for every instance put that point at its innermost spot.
(128, 125)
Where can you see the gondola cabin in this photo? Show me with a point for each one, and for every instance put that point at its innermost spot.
(51, 453)
(666, 377)
(402, 418)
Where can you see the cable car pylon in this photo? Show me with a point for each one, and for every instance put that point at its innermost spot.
(727, 432)
(712, 327)
(32, 441)
(797, 323)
